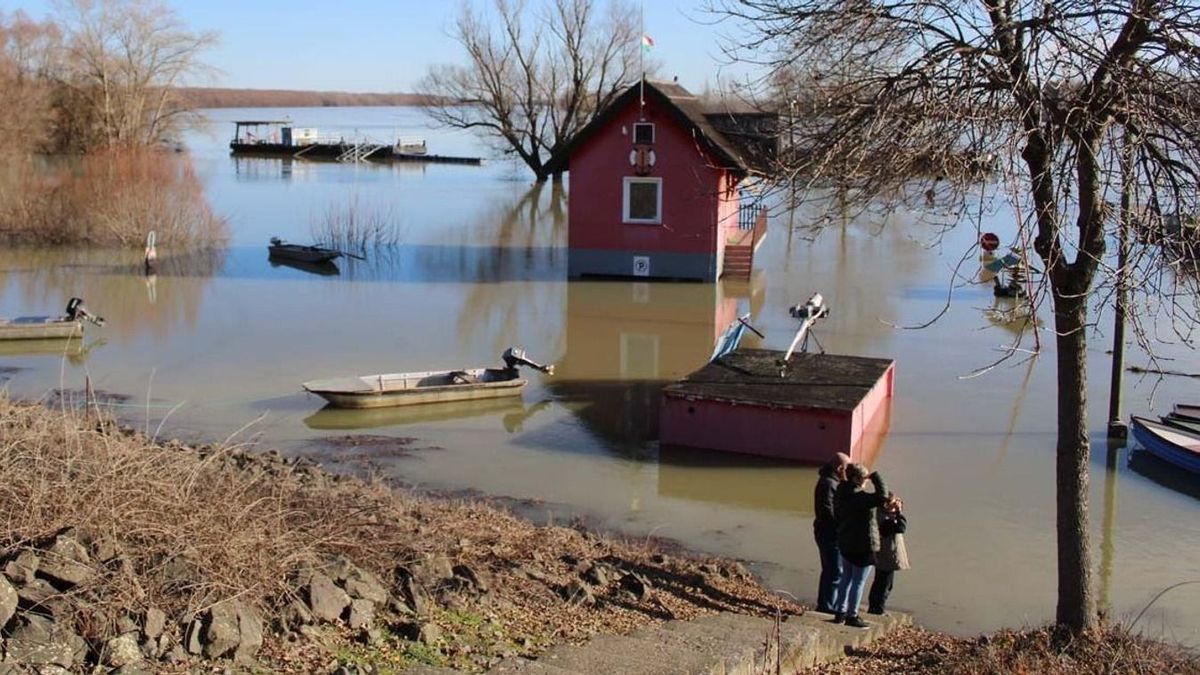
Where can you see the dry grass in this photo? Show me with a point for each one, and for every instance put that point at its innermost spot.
(1106, 651)
(194, 527)
(113, 197)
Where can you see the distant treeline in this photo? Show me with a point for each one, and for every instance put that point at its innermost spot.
(215, 97)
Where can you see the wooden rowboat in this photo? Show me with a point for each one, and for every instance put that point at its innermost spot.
(305, 254)
(434, 386)
(39, 328)
(1187, 424)
(49, 327)
(1176, 446)
(1187, 411)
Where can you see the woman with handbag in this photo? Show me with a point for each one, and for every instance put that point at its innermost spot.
(892, 553)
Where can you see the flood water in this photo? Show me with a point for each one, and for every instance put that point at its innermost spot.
(216, 346)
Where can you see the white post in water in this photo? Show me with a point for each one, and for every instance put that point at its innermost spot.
(808, 313)
(151, 253)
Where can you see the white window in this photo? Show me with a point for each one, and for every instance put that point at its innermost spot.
(642, 201)
(643, 133)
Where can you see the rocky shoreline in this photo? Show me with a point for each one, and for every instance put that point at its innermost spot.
(120, 554)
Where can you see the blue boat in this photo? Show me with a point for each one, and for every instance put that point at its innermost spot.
(1176, 446)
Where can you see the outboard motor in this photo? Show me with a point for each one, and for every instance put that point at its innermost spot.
(77, 312)
(515, 356)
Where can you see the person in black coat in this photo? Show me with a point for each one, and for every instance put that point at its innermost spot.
(825, 529)
(858, 539)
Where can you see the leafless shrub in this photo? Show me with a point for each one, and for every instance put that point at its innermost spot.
(111, 197)
(355, 225)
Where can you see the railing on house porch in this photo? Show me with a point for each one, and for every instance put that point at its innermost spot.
(741, 245)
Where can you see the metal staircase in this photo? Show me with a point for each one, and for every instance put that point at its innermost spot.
(360, 151)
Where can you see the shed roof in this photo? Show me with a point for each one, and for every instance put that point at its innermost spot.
(811, 381)
(741, 141)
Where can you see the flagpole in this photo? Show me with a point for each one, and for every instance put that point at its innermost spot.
(642, 61)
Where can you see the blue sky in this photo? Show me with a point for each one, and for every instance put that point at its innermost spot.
(386, 45)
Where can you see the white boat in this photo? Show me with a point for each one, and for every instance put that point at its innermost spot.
(434, 386)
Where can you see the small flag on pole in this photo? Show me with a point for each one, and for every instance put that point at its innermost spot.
(647, 43)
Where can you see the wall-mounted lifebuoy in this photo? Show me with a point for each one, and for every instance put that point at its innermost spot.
(641, 158)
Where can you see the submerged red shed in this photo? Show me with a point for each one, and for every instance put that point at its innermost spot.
(821, 404)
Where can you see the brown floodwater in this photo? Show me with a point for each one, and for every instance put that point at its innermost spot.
(215, 347)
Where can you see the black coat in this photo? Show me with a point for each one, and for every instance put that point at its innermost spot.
(824, 520)
(858, 534)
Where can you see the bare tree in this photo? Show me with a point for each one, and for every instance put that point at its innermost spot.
(538, 77)
(29, 51)
(124, 59)
(1085, 104)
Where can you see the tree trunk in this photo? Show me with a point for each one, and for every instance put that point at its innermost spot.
(1075, 601)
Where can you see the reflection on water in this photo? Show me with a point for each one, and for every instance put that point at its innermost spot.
(1164, 473)
(626, 340)
(330, 417)
(324, 269)
(75, 350)
(748, 481)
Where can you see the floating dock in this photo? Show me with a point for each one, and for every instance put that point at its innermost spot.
(744, 402)
(279, 138)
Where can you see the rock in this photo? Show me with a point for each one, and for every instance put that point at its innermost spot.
(133, 669)
(153, 623)
(432, 570)
(191, 637)
(122, 650)
(126, 624)
(105, 549)
(21, 570)
(477, 582)
(35, 594)
(250, 629)
(595, 574)
(578, 593)
(370, 636)
(363, 585)
(411, 592)
(430, 633)
(325, 598)
(177, 654)
(38, 640)
(67, 563)
(362, 613)
(295, 614)
(220, 634)
(636, 585)
(8, 601)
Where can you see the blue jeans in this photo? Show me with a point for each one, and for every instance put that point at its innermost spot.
(850, 587)
(831, 574)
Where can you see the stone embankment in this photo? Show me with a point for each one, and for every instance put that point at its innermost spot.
(119, 554)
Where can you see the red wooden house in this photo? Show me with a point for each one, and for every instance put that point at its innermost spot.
(655, 184)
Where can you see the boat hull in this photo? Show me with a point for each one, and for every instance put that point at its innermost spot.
(1176, 446)
(48, 330)
(303, 254)
(333, 151)
(404, 389)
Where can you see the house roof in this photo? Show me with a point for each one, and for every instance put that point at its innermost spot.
(743, 142)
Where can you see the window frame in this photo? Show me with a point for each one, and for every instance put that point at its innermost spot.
(626, 183)
(653, 132)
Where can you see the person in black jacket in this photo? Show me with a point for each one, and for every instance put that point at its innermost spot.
(858, 539)
(825, 529)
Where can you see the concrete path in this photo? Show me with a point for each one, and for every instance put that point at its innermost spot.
(721, 644)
